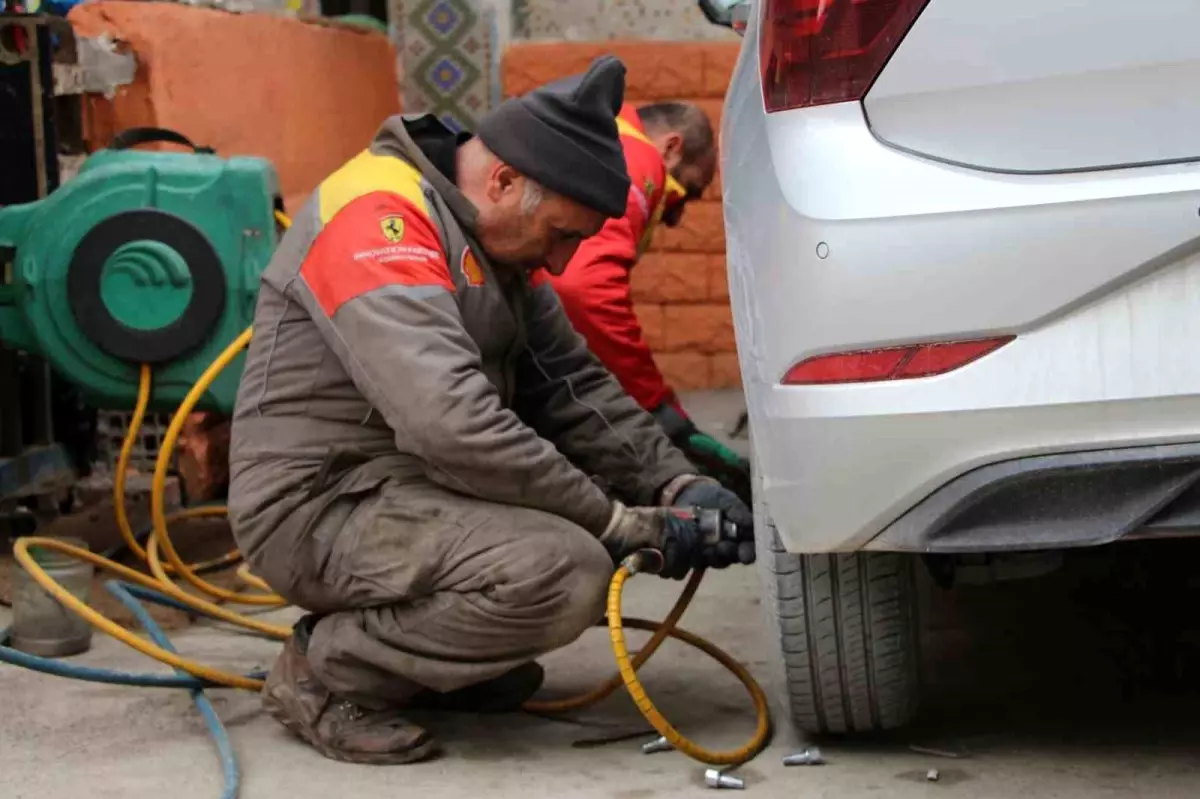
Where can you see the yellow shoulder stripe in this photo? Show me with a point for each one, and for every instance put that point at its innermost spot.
(674, 187)
(366, 173)
(627, 128)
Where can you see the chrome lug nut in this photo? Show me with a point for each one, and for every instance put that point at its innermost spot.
(659, 744)
(811, 756)
(715, 779)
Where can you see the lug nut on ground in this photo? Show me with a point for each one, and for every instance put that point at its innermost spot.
(811, 756)
(660, 744)
(715, 779)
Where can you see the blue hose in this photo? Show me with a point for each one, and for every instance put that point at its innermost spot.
(229, 765)
(129, 595)
(60, 668)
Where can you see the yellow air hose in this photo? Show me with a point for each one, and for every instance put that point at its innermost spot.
(161, 581)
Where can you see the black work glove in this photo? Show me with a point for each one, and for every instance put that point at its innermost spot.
(710, 456)
(707, 493)
(681, 548)
(674, 535)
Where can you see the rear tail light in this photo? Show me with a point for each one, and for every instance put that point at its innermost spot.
(896, 363)
(816, 52)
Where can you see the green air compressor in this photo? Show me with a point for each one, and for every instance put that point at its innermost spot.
(145, 257)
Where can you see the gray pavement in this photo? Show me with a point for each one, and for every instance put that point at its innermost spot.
(1076, 685)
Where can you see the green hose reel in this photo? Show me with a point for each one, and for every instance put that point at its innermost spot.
(143, 257)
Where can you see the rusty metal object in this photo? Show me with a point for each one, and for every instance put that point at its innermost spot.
(203, 456)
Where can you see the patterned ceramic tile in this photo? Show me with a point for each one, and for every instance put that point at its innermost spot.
(448, 59)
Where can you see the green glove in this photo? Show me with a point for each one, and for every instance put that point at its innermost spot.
(719, 462)
(711, 457)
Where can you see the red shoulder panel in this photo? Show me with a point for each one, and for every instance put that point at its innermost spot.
(377, 240)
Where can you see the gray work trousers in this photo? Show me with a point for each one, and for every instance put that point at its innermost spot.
(420, 587)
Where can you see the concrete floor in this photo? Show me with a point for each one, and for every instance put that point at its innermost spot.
(1080, 685)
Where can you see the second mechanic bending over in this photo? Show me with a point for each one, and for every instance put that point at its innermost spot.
(670, 154)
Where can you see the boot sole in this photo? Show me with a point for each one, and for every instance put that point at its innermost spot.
(421, 751)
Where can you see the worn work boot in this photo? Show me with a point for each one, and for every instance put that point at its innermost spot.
(503, 694)
(335, 726)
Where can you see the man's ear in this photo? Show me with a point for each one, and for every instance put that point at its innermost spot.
(502, 182)
(670, 146)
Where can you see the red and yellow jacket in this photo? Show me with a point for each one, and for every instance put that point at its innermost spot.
(594, 288)
(382, 332)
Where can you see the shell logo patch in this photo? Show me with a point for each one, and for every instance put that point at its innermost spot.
(392, 227)
(470, 267)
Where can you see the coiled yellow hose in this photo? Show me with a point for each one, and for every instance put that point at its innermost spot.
(628, 671)
(161, 581)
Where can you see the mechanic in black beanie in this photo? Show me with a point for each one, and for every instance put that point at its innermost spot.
(425, 456)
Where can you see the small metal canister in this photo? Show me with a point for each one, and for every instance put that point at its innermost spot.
(41, 626)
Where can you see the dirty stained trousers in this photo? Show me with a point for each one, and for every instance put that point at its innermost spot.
(422, 587)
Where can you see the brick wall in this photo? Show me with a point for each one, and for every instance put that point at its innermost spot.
(680, 288)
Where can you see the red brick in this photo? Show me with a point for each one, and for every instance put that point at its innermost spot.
(650, 316)
(714, 109)
(698, 328)
(671, 277)
(662, 71)
(701, 230)
(725, 370)
(527, 65)
(656, 70)
(685, 371)
(718, 63)
(718, 279)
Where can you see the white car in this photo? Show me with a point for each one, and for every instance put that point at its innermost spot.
(964, 259)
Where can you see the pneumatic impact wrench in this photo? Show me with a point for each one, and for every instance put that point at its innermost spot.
(734, 542)
(718, 534)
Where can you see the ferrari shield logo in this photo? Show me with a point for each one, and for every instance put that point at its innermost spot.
(471, 269)
(392, 227)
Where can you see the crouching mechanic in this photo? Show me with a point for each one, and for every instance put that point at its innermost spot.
(425, 457)
(671, 157)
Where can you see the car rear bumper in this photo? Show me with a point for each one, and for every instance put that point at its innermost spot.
(1056, 502)
(838, 243)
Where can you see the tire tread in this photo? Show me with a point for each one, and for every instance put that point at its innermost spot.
(845, 626)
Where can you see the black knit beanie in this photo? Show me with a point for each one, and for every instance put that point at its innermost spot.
(564, 136)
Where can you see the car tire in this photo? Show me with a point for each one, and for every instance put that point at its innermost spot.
(846, 627)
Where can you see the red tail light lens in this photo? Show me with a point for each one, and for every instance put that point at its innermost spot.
(816, 52)
(897, 363)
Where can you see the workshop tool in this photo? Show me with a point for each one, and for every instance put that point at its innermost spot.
(811, 756)
(143, 257)
(659, 744)
(715, 779)
(40, 625)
